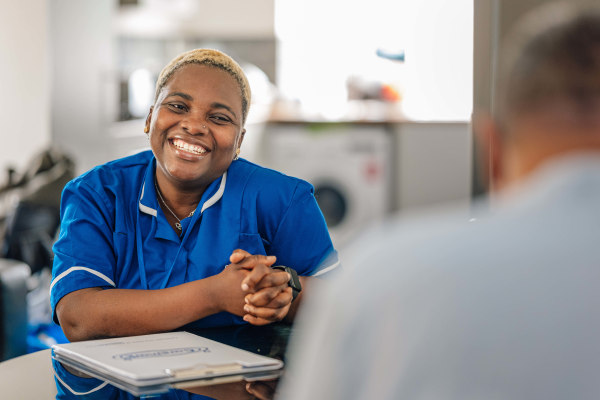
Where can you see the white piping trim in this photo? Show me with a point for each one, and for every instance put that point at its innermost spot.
(217, 196)
(143, 208)
(80, 393)
(325, 270)
(91, 271)
(147, 210)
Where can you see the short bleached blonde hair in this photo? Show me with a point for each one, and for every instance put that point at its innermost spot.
(213, 58)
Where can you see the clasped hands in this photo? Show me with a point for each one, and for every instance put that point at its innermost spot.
(263, 295)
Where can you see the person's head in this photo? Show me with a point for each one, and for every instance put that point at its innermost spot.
(548, 96)
(196, 124)
(213, 58)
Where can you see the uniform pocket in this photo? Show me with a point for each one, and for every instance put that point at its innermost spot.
(252, 243)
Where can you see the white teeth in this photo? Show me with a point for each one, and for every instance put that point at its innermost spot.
(180, 144)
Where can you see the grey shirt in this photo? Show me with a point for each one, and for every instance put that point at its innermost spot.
(506, 307)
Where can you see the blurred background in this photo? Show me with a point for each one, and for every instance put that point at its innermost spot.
(369, 101)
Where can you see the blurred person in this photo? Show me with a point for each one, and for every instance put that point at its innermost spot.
(186, 235)
(502, 308)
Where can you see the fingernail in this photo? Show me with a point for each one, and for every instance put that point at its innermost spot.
(271, 258)
(246, 300)
(244, 286)
(247, 308)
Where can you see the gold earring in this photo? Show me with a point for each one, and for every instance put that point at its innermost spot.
(146, 129)
(237, 154)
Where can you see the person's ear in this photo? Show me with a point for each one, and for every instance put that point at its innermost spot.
(240, 139)
(148, 118)
(489, 150)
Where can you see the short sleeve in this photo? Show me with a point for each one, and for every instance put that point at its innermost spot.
(302, 239)
(83, 253)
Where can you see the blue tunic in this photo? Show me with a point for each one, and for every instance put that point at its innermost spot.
(114, 233)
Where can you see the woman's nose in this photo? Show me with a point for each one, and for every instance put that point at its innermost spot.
(194, 125)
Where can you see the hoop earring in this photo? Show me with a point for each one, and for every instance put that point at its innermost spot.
(237, 154)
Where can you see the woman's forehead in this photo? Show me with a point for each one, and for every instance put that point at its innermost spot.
(201, 73)
(207, 79)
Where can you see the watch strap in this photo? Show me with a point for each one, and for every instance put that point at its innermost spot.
(294, 281)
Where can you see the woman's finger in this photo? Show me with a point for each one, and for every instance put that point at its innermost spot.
(262, 390)
(263, 316)
(256, 321)
(272, 310)
(265, 296)
(238, 255)
(259, 279)
(258, 273)
(251, 261)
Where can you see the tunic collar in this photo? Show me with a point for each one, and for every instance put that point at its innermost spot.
(148, 202)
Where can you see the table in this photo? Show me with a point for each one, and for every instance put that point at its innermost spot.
(32, 376)
(28, 377)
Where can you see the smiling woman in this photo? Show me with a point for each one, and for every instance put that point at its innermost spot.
(187, 233)
(195, 129)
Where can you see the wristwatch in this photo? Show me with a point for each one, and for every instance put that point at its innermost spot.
(294, 281)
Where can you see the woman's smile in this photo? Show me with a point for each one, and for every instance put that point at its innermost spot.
(186, 149)
(195, 126)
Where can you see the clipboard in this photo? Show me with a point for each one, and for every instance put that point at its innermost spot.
(154, 363)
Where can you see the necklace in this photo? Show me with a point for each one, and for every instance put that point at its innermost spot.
(178, 223)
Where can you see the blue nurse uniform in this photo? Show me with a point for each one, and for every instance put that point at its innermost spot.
(115, 235)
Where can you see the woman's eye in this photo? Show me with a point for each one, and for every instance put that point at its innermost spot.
(177, 107)
(221, 119)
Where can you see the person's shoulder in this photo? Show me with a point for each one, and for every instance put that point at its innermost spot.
(260, 179)
(402, 245)
(116, 172)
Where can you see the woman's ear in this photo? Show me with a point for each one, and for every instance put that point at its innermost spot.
(240, 139)
(148, 118)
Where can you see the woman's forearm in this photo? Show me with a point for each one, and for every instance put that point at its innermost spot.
(95, 313)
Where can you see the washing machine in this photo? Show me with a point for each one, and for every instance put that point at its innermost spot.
(349, 165)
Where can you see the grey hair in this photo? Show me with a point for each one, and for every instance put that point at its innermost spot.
(553, 54)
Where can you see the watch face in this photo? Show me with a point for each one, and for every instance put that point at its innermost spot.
(294, 281)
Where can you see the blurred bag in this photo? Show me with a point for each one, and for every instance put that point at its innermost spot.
(30, 208)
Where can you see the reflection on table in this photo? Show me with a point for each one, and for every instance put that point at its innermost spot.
(268, 340)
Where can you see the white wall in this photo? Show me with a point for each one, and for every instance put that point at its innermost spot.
(25, 81)
(83, 90)
(197, 18)
(433, 165)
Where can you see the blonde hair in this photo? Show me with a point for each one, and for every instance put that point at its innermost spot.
(213, 58)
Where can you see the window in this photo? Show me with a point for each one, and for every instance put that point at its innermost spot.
(324, 44)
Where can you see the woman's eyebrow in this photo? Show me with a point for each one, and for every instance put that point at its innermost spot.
(181, 94)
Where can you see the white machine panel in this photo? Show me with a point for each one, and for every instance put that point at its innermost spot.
(348, 164)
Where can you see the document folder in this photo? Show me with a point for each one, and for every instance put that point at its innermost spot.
(152, 361)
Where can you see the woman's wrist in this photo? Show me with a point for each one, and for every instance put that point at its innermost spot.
(209, 296)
